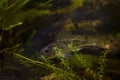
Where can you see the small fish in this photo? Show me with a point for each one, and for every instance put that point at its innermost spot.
(66, 52)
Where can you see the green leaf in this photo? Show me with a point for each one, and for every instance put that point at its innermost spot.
(2, 3)
(12, 26)
(15, 14)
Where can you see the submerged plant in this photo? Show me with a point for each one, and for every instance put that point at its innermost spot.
(73, 59)
(64, 69)
(101, 68)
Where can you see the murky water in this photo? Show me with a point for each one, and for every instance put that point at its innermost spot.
(90, 29)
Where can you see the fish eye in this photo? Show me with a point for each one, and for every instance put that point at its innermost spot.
(46, 51)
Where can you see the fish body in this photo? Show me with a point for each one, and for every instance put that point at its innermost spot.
(62, 45)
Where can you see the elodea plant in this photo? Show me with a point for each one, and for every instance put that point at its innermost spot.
(76, 67)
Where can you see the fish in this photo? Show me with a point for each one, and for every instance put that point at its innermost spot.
(49, 52)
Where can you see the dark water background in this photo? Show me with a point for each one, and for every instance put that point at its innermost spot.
(44, 30)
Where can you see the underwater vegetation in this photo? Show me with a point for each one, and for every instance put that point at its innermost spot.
(59, 40)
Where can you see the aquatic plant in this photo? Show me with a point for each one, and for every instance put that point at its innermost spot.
(101, 68)
(88, 66)
(10, 13)
(73, 65)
